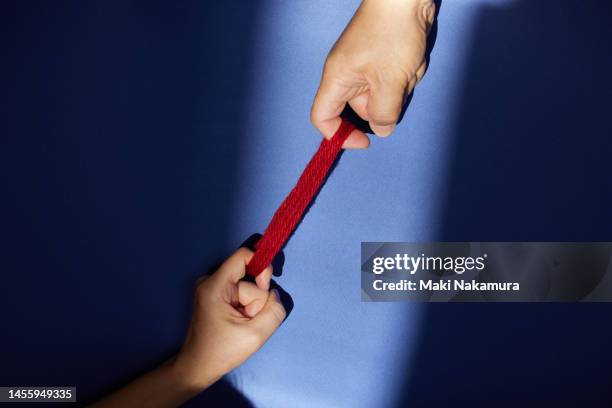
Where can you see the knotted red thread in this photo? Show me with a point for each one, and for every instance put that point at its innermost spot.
(292, 209)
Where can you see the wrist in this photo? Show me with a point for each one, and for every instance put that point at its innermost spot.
(191, 379)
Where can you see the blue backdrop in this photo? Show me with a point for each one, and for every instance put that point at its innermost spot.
(143, 141)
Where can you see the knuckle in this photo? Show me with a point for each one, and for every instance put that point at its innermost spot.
(330, 62)
(279, 312)
(384, 117)
(411, 85)
(313, 115)
(428, 12)
(315, 118)
(201, 293)
(389, 77)
(421, 72)
(254, 336)
(244, 251)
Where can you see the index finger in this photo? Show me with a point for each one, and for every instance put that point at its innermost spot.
(328, 104)
(234, 267)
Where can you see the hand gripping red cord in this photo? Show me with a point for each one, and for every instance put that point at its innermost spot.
(292, 209)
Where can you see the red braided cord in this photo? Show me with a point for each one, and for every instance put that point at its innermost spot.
(292, 209)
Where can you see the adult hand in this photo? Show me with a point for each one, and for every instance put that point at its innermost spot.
(374, 65)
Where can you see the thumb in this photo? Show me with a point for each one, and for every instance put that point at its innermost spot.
(251, 297)
(270, 317)
(385, 105)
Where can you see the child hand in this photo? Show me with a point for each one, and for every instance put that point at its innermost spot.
(231, 320)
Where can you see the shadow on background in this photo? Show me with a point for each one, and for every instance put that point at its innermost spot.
(530, 162)
(121, 127)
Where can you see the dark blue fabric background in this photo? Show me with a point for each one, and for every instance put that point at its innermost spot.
(123, 131)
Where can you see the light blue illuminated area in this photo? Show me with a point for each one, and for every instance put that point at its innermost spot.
(335, 351)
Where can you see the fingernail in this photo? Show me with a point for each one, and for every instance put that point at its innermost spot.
(385, 130)
(276, 294)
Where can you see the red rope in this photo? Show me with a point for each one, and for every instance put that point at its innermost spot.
(292, 209)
